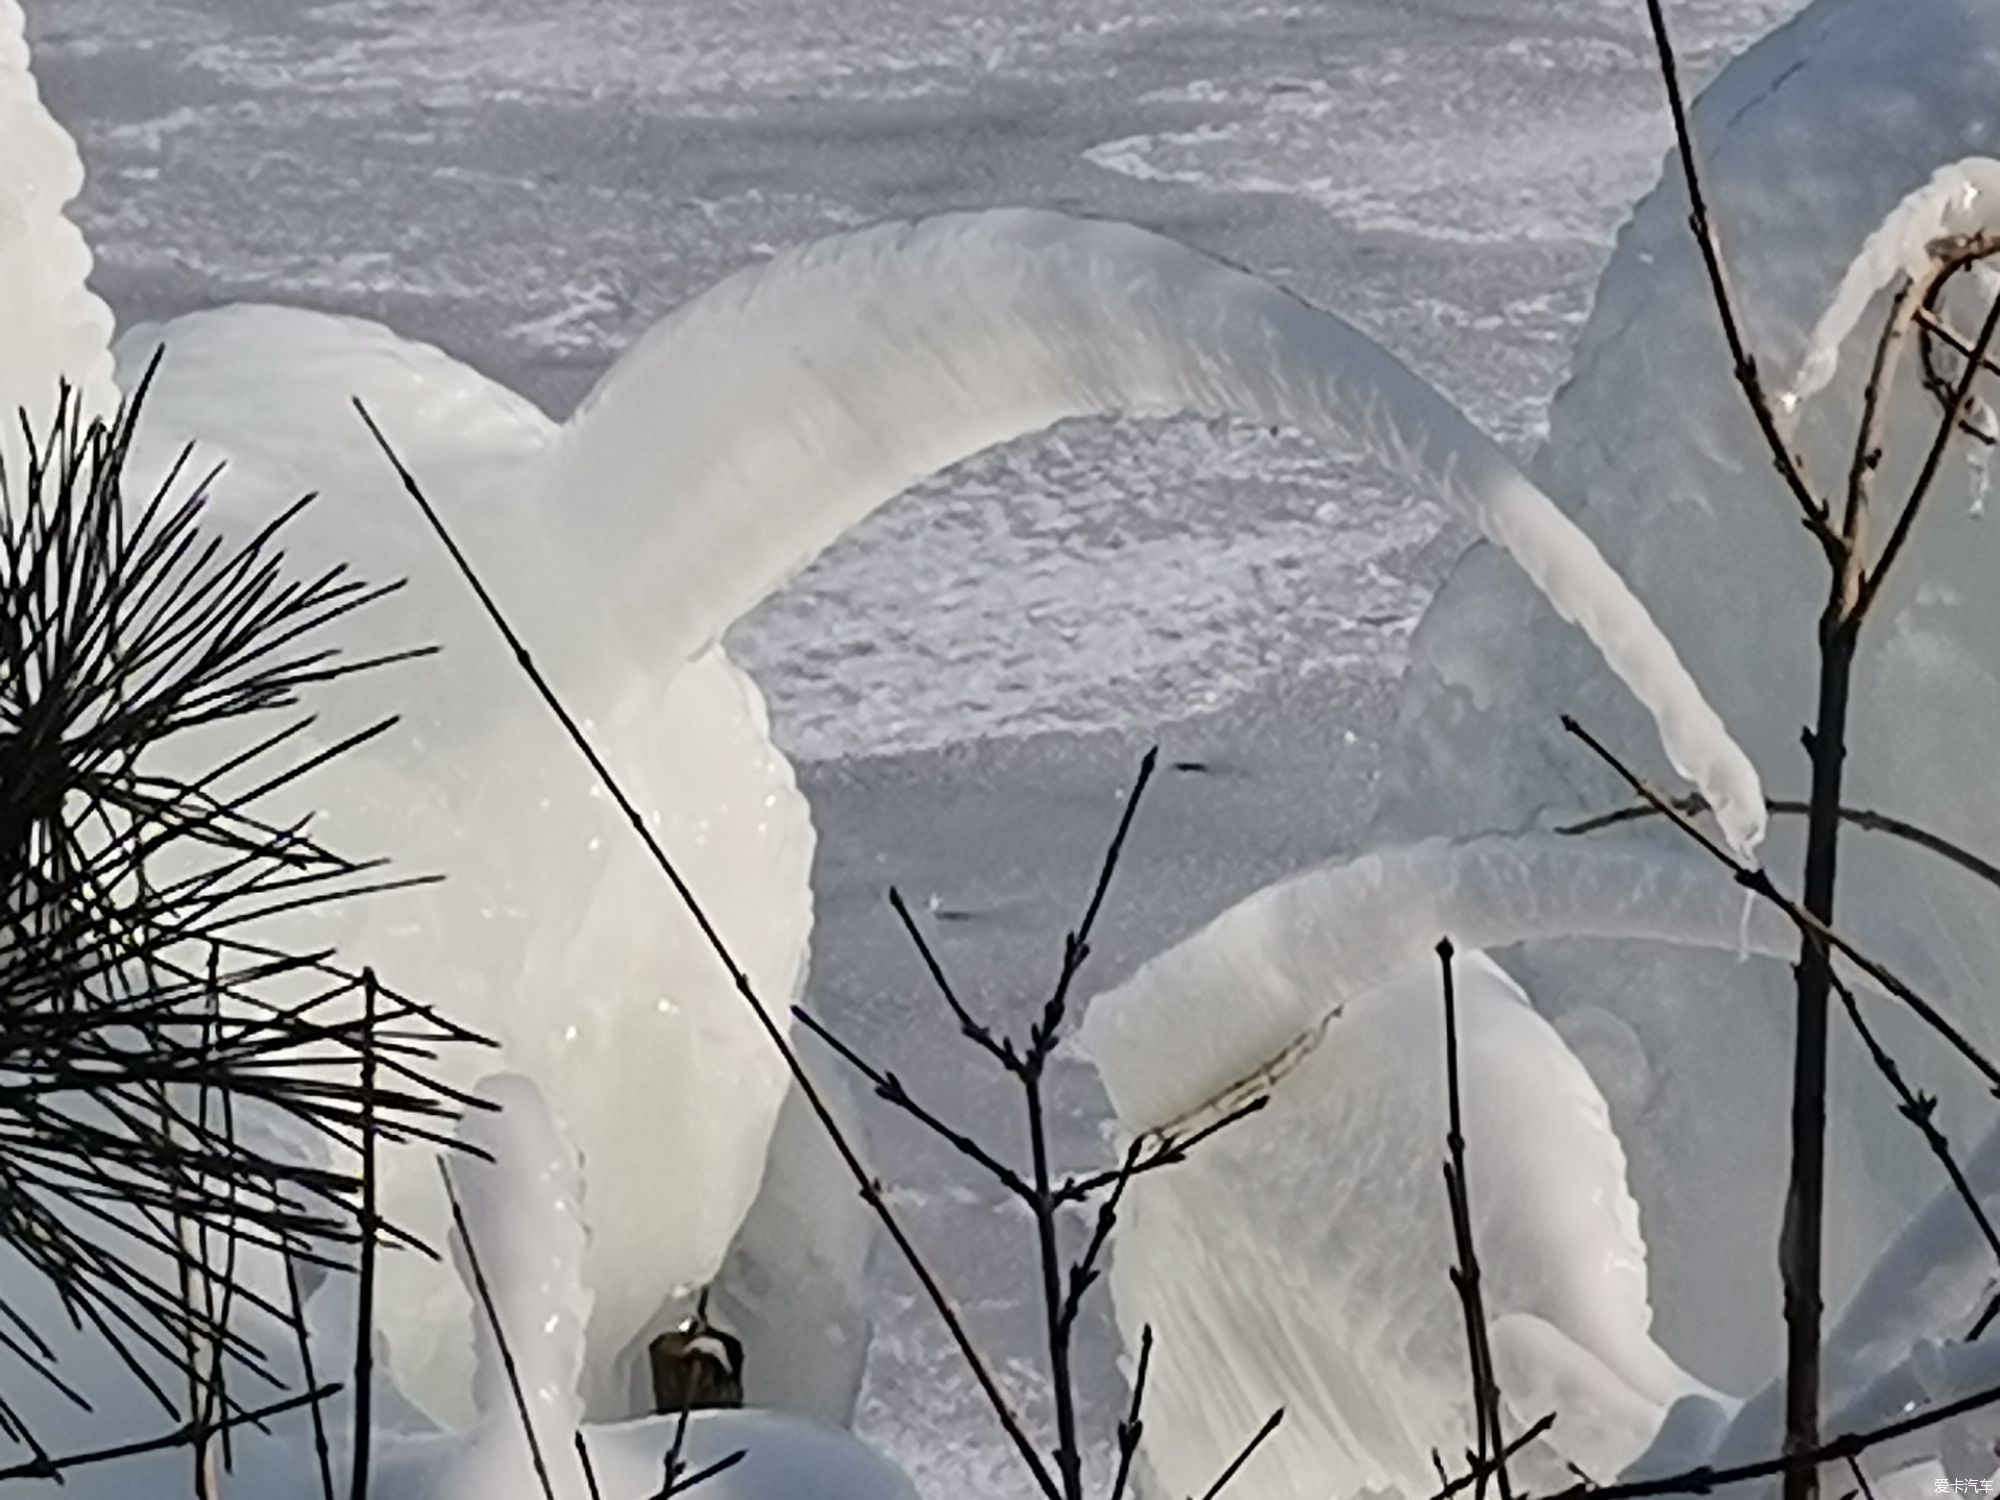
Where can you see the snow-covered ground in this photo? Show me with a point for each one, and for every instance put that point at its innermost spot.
(967, 679)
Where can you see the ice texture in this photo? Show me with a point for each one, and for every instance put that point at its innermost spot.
(747, 431)
(519, 1187)
(1958, 200)
(1811, 139)
(552, 935)
(794, 1285)
(735, 440)
(1266, 978)
(56, 328)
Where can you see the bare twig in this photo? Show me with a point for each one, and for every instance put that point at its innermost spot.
(1083, 1272)
(590, 1486)
(1224, 1479)
(983, 1036)
(1483, 1469)
(1063, 1287)
(1041, 1044)
(891, 1089)
(1166, 1150)
(1491, 1443)
(1863, 818)
(1921, 1111)
(680, 1486)
(1133, 1428)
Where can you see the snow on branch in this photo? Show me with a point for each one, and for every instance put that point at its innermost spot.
(1961, 198)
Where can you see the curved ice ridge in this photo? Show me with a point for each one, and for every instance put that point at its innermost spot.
(782, 406)
(1223, 1008)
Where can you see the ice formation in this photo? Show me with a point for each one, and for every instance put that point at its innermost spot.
(1338, 1305)
(527, 1226)
(1959, 199)
(1837, 147)
(896, 351)
(735, 440)
(746, 432)
(1813, 138)
(53, 322)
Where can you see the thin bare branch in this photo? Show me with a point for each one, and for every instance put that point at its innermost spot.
(1694, 804)
(1167, 1150)
(1491, 1443)
(1920, 487)
(1483, 1469)
(1791, 468)
(1133, 1428)
(983, 1036)
(891, 1089)
(1228, 1475)
(1921, 1111)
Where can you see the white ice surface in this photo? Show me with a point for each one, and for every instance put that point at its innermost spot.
(521, 1197)
(1301, 1259)
(56, 329)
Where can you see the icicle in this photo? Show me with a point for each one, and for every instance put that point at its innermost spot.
(750, 429)
(1958, 198)
(523, 1218)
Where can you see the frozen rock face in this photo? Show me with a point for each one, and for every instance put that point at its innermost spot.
(1812, 138)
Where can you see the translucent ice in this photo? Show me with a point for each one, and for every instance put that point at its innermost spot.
(738, 438)
(1816, 137)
